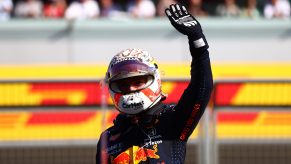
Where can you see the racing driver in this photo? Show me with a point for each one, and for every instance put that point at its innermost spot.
(146, 130)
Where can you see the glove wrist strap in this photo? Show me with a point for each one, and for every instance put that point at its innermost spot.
(197, 44)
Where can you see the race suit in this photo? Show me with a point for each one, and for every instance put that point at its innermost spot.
(165, 142)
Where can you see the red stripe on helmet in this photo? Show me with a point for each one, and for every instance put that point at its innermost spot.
(117, 97)
(150, 94)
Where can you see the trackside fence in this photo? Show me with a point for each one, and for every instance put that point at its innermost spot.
(251, 122)
(59, 122)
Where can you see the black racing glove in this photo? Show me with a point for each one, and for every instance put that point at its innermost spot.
(186, 24)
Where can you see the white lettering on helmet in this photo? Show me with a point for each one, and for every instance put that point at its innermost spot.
(121, 60)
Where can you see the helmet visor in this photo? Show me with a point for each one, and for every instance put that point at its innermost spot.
(131, 84)
(129, 68)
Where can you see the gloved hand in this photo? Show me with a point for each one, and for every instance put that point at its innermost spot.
(187, 25)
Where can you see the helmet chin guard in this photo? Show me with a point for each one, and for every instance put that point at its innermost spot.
(132, 63)
(135, 103)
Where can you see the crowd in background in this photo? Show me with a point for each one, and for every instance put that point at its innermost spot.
(92, 9)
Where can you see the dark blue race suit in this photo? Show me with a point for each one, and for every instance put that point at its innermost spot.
(165, 141)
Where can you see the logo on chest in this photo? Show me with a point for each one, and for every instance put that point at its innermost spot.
(136, 154)
(152, 137)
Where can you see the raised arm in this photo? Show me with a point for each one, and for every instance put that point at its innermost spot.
(195, 98)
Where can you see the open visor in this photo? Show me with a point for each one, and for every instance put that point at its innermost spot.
(129, 68)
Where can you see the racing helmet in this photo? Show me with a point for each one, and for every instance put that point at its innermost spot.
(131, 64)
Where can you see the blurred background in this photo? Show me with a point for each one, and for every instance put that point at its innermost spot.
(54, 53)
